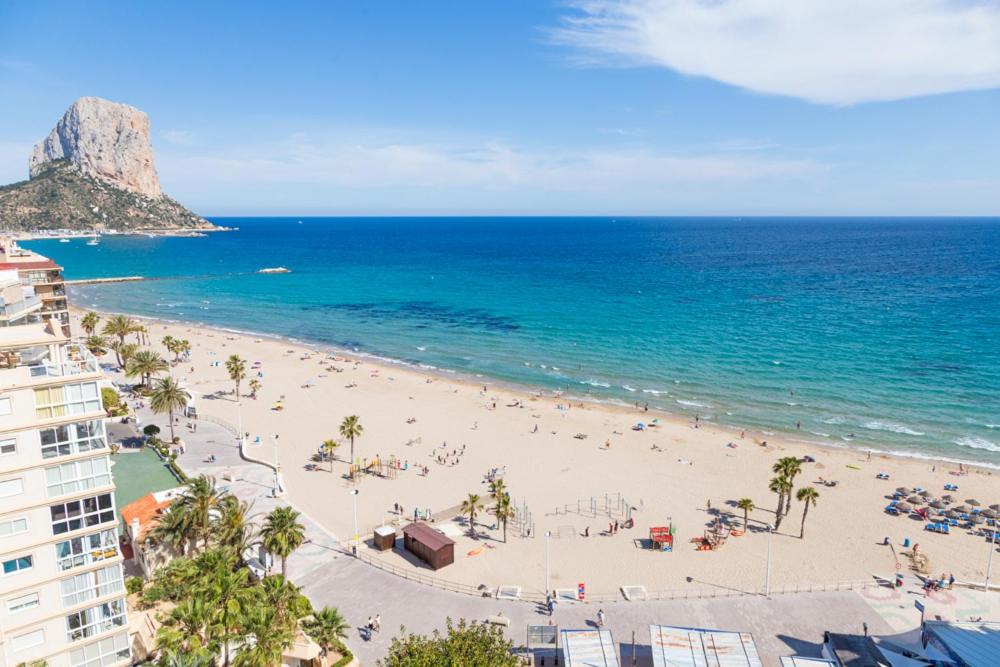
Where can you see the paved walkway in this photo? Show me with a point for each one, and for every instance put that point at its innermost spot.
(784, 625)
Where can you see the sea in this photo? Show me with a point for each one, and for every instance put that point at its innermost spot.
(878, 333)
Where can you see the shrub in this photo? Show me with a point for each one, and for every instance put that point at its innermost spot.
(134, 585)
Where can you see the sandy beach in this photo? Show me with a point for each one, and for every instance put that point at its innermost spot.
(676, 472)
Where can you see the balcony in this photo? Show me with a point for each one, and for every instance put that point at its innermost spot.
(75, 360)
(18, 308)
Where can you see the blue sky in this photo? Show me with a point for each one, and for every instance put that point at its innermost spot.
(668, 107)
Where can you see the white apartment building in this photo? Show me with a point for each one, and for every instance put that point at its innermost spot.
(62, 595)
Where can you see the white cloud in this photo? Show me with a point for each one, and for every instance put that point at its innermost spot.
(338, 162)
(826, 51)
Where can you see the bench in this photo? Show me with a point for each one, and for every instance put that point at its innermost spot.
(499, 619)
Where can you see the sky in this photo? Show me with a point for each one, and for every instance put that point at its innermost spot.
(598, 107)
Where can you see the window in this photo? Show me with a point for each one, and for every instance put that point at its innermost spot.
(70, 399)
(18, 564)
(100, 654)
(22, 603)
(78, 476)
(8, 446)
(77, 514)
(28, 640)
(72, 439)
(87, 549)
(95, 620)
(5, 406)
(90, 585)
(11, 527)
(11, 487)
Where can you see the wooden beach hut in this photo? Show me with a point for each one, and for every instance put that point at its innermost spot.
(429, 545)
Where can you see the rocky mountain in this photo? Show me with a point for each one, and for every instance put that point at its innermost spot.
(94, 170)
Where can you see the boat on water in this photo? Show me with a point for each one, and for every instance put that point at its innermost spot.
(63, 240)
(275, 269)
(94, 241)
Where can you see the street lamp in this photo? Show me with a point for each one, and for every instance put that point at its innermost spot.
(767, 573)
(239, 421)
(277, 468)
(989, 559)
(548, 534)
(354, 494)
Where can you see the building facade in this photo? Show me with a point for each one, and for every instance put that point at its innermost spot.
(62, 594)
(44, 278)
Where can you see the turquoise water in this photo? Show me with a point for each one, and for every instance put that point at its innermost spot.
(868, 333)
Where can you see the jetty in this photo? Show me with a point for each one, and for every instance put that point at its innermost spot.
(96, 281)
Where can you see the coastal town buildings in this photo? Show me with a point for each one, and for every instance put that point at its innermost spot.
(43, 278)
(62, 597)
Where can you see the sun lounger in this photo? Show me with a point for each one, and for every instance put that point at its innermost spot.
(499, 619)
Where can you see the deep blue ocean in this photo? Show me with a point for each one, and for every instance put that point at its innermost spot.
(881, 333)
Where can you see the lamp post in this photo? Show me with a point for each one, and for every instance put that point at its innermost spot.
(548, 534)
(239, 421)
(767, 573)
(989, 559)
(277, 468)
(354, 547)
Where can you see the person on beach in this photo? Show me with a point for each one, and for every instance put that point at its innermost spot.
(378, 623)
(600, 618)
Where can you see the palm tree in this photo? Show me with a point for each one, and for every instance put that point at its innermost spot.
(140, 332)
(123, 351)
(270, 637)
(329, 447)
(351, 428)
(237, 369)
(232, 525)
(228, 590)
(89, 322)
(170, 343)
(97, 345)
(183, 347)
(788, 467)
(119, 326)
(145, 363)
(284, 598)
(745, 504)
(498, 488)
(327, 627)
(503, 512)
(173, 528)
(168, 396)
(782, 487)
(200, 500)
(254, 387)
(282, 534)
(196, 658)
(471, 506)
(188, 628)
(808, 495)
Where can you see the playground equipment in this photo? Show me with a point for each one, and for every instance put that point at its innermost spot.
(387, 468)
(662, 538)
(611, 505)
(714, 537)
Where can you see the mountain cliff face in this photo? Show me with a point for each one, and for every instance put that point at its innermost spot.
(94, 170)
(104, 139)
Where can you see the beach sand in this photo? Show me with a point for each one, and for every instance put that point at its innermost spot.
(670, 474)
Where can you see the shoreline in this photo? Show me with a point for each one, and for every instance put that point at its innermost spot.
(474, 380)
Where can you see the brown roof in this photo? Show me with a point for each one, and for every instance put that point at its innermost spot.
(25, 266)
(147, 510)
(432, 538)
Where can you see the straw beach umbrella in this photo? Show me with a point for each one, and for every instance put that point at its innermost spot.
(995, 508)
(904, 490)
(916, 500)
(990, 513)
(973, 502)
(937, 504)
(925, 493)
(962, 509)
(904, 507)
(948, 498)
(952, 514)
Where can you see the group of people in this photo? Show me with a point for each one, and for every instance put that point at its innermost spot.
(940, 583)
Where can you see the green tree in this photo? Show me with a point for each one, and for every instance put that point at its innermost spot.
(232, 524)
(118, 327)
(189, 628)
(267, 638)
(463, 645)
(96, 345)
(782, 487)
(329, 450)
(173, 528)
(471, 506)
(807, 495)
(168, 397)
(788, 467)
(237, 369)
(254, 387)
(145, 364)
(285, 598)
(228, 590)
(89, 322)
(327, 628)
(351, 428)
(745, 504)
(201, 501)
(503, 512)
(282, 534)
(170, 343)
